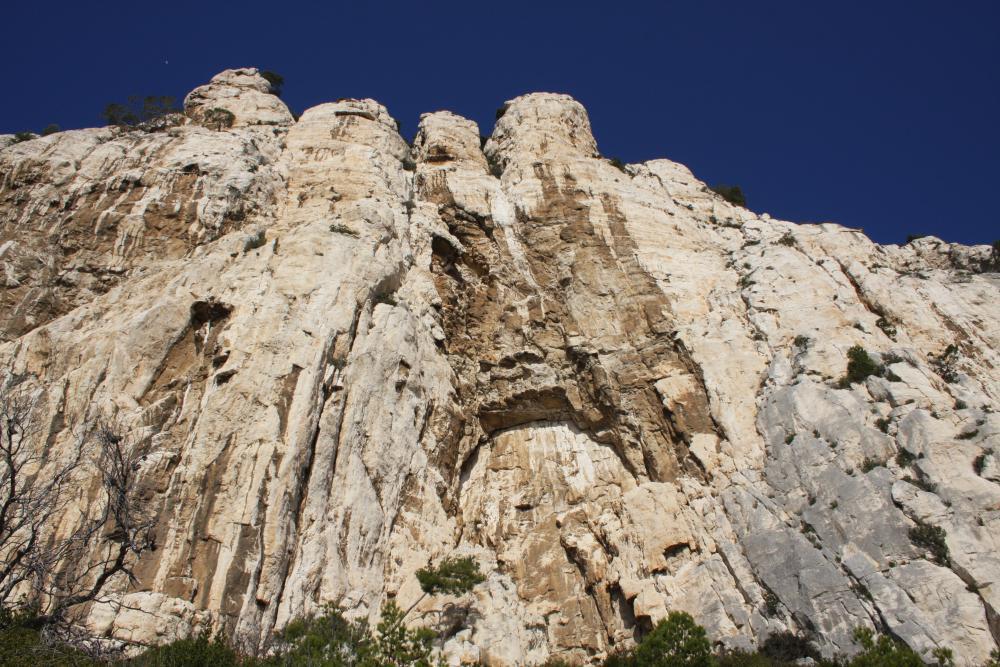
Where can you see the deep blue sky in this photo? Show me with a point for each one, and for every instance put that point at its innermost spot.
(881, 115)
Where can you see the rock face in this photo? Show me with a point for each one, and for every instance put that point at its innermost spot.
(346, 357)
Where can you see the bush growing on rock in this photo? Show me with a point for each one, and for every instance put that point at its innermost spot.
(736, 658)
(921, 483)
(887, 327)
(882, 651)
(200, 651)
(905, 458)
(932, 539)
(979, 463)
(944, 364)
(618, 164)
(731, 193)
(254, 241)
(676, 641)
(788, 647)
(23, 136)
(140, 111)
(453, 576)
(994, 261)
(860, 365)
(330, 639)
(870, 464)
(219, 119)
(23, 644)
(276, 81)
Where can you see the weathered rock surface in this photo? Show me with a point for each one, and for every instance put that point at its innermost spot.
(346, 357)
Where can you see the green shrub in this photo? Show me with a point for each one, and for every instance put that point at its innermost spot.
(921, 483)
(200, 651)
(385, 297)
(944, 363)
(731, 193)
(994, 260)
(859, 365)
(788, 647)
(453, 576)
(323, 639)
(219, 119)
(943, 657)
(618, 164)
(787, 239)
(254, 241)
(338, 228)
(395, 644)
(904, 458)
(979, 464)
(676, 641)
(21, 643)
(139, 110)
(932, 539)
(276, 81)
(51, 128)
(882, 652)
(870, 464)
(737, 658)
(891, 358)
(887, 327)
(23, 136)
(771, 603)
(331, 640)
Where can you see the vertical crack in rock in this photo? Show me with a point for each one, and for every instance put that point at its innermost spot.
(508, 349)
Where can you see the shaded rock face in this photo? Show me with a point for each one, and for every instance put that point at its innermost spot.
(345, 357)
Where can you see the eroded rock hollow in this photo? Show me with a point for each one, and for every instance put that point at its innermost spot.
(346, 357)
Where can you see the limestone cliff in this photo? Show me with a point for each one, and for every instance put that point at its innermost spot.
(346, 356)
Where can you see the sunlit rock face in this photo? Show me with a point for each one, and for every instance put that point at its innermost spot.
(346, 357)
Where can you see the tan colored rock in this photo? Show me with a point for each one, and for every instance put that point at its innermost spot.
(243, 93)
(346, 358)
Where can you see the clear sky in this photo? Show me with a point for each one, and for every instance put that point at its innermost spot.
(879, 114)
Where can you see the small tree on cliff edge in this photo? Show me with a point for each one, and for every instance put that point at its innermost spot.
(676, 641)
(453, 576)
(731, 193)
(276, 81)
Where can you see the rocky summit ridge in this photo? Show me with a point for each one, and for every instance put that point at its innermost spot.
(346, 357)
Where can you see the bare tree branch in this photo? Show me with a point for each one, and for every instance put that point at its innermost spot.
(49, 560)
